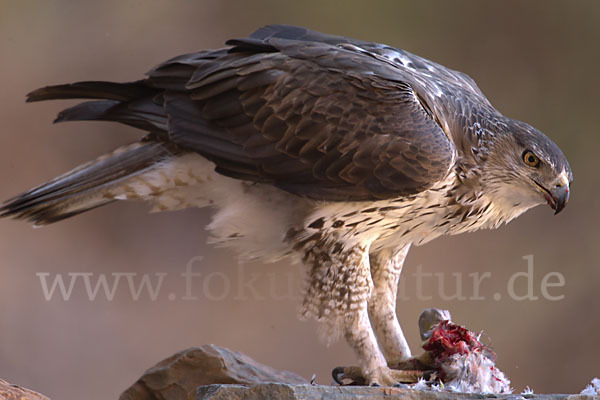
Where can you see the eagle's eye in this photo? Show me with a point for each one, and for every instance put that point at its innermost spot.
(531, 159)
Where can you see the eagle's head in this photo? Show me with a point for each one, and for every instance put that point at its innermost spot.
(524, 168)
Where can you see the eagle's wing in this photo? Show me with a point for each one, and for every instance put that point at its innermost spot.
(316, 115)
(330, 122)
(428, 76)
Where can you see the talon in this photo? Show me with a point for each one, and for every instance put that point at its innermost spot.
(338, 374)
(352, 374)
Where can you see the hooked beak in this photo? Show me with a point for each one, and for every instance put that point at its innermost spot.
(557, 197)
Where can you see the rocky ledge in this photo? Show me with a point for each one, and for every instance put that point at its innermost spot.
(282, 391)
(214, 373)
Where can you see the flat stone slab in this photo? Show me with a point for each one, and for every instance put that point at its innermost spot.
(280, 391)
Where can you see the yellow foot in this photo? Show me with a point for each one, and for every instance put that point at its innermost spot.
(383, 376)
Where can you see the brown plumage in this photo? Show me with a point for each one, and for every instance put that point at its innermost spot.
(335, 152)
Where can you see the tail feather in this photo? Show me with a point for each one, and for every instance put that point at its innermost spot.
(143, 114)
(97, 182)
(92, 90)
(132, 103)
(87, 111)
(86, 187)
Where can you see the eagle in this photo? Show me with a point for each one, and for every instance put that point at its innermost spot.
(336, 153)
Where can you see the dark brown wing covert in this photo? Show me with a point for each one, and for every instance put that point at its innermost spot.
(314, 119)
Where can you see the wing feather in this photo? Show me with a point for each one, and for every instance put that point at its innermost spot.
(312, 118)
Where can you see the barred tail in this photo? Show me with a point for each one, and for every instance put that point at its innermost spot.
(87, 186)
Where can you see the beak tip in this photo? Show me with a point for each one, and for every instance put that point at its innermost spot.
(561, 198)
(559, 209)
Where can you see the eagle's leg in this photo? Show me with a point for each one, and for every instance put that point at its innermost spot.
(386, 267)
(373, 368)
(338, 294)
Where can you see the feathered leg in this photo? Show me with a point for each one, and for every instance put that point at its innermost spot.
(338, 294)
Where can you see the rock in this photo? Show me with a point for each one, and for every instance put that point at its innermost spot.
(178, 377)
(214, 373)
(280, 391)
(14, 392)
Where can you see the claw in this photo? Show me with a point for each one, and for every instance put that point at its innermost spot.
(338, 374)
(352, 374)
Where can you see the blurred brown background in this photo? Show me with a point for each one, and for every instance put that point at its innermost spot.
(537, 61)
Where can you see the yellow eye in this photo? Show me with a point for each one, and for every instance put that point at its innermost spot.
(530, 159)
